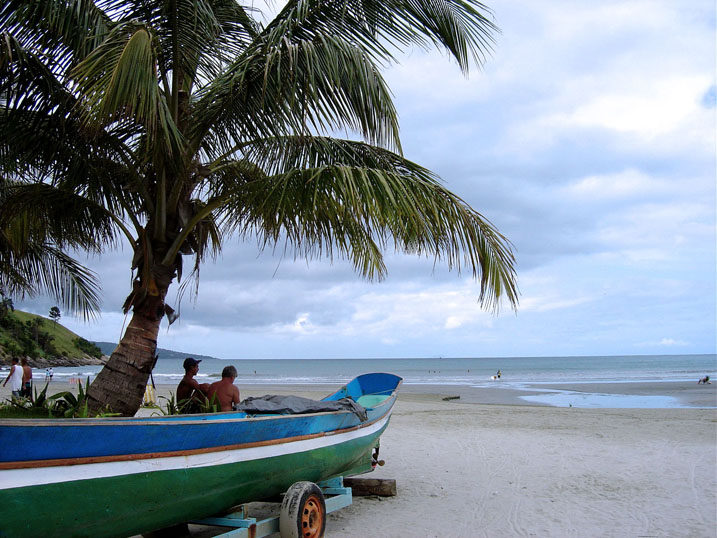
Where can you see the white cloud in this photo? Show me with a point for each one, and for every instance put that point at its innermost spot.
(665, 342)
(672, 342)
(647, 110)
(629, 182)
(546, 303)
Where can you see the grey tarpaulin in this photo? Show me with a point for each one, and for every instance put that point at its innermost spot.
(293, 405)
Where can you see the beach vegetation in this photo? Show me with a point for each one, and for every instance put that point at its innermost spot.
(182, 407)
(179, 126)
(63, 404)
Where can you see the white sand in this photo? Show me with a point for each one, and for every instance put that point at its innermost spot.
(471, 470)
(466, 470)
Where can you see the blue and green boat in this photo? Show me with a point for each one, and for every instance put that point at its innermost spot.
(117, 477)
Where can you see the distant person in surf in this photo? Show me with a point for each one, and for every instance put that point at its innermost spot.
(224, 392)
(705, 381)
(191, 394)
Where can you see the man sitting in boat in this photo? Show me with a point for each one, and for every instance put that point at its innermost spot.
(190, 394)
(224, 392)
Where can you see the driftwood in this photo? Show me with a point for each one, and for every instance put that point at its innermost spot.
(452, 398)
(362, 487)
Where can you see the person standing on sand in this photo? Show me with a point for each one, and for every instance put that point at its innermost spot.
(26, 380)
(225, 391)
(189, 391)
(15, 376)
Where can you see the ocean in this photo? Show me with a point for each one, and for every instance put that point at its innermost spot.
(523, 373)
(441, 371)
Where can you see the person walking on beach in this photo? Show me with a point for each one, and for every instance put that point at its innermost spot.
(15, 378)
(26, 390)
(51, 374)
(190, 394)
(224, 391)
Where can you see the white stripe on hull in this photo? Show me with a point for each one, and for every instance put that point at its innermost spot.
(15, 478)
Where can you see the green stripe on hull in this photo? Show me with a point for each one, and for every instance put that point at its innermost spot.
(131, 504)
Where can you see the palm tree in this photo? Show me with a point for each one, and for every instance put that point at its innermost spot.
(190, 121)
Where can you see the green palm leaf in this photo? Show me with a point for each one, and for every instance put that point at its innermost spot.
(118, 80)
(296, 87)
(321, 195)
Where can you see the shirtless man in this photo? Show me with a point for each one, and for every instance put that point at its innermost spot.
(189, 390)
(225, 391)
(26, 379)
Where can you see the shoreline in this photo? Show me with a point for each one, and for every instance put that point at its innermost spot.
(591, 395)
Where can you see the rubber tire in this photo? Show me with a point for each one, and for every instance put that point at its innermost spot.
(303, 512)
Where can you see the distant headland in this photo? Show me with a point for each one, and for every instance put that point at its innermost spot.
(108, 347)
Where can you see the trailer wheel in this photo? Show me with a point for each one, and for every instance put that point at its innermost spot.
(303, 512)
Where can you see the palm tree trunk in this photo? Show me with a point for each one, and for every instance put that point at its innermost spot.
(120, 385)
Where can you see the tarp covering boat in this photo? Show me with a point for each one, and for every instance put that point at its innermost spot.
(293, 405)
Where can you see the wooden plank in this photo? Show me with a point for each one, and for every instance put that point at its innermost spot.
(362, 487)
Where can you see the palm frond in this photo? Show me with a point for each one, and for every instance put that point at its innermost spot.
(37, 222)
(324, 196)
(41, 213)
(210, 35)
(37, 146)
(462, 27)
(42, 268)
(118, 79)
(296, 87)
(65, 29)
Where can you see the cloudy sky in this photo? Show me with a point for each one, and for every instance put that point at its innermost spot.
(588, 139)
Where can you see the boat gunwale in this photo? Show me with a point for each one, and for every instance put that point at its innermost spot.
(171, 420)
(67, 462)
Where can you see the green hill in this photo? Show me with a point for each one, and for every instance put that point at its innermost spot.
(43, 341)
(47, 343)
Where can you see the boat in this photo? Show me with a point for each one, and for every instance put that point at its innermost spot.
(117, 477)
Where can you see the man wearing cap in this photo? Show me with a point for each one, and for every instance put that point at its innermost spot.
(188, 390)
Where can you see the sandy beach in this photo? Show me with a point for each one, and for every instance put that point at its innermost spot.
(503, 469)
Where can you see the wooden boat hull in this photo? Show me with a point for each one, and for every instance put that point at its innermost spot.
(120, 494)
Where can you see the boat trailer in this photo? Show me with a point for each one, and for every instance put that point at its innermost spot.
(301, 509)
